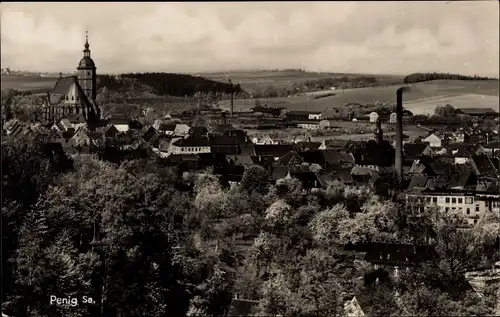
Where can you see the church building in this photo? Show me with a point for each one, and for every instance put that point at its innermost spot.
(75, 95)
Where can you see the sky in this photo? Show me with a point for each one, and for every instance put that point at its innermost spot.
(354, 37)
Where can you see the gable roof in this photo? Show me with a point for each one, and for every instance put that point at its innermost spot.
(477, 111)
(485, 165)
(63, 84)
(291, 158)
(414, 149)
(275, 150)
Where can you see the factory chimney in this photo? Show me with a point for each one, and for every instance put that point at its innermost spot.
(399, 134)
(379, 134)
(232, 98)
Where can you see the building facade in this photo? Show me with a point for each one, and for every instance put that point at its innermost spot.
(471, 205)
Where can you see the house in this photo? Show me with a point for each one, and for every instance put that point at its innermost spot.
(433, 140)
(364, 175)
(415, 150)
(164, 127)
(181, 130)
(121, 124)
(307, 146)
(484, 165)
(393, 117)
(478, 112)
(396, 256)
(352, 308)
(373, 116)
(198, 144)
(471, 204)
(333, 144)
(304, 115)
(491, 148)
(265, 140)
(307, 124)
(12, 127)
(273, 150)
(335, 160)
(375, 155)
(148, 133)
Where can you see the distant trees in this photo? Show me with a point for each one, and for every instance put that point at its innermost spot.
(163, 84)
(421, 77)
(325, 83)
(445, 111)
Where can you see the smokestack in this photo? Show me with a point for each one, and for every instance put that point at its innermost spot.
(379, 134)
(232, 99)
(399, 134)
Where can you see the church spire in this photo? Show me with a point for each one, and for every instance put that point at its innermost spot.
(86, 51)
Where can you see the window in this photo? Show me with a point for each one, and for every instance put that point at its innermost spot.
(446, 209)
(477, 208)
(72, 97)
(453, 200)
(468, 211)
(428, 199)
(468, 200)
(434, 200)
(460, 200)
(475, 221)
(447, 200)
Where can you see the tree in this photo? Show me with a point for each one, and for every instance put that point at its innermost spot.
(255, 178)
(445, 111)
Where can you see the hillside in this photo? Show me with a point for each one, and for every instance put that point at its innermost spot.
(258, 81)
(422, 98)
(159, 83)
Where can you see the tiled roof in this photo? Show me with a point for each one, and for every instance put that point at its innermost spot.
(414, 149)
(63, 84)
(485, 165)
(335, 157)
(275, 150)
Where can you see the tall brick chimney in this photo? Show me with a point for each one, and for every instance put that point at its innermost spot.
(232, 97)
(398, 163)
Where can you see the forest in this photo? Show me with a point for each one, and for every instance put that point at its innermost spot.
(421, 77)
(147, 239)
(168, 84)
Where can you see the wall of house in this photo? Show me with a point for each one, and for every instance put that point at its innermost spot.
(189, 149)
(308, 126)
(315, 116)
(470, 206)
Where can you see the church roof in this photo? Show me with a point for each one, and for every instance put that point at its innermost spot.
(63, 84)
(86, 62)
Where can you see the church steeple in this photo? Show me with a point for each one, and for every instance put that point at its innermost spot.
(87, 71)
(86, 51)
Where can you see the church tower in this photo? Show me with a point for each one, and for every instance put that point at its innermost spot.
(87, 72)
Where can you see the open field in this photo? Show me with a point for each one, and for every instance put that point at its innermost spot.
(252, 80)
(28, 83)
(423, 97)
